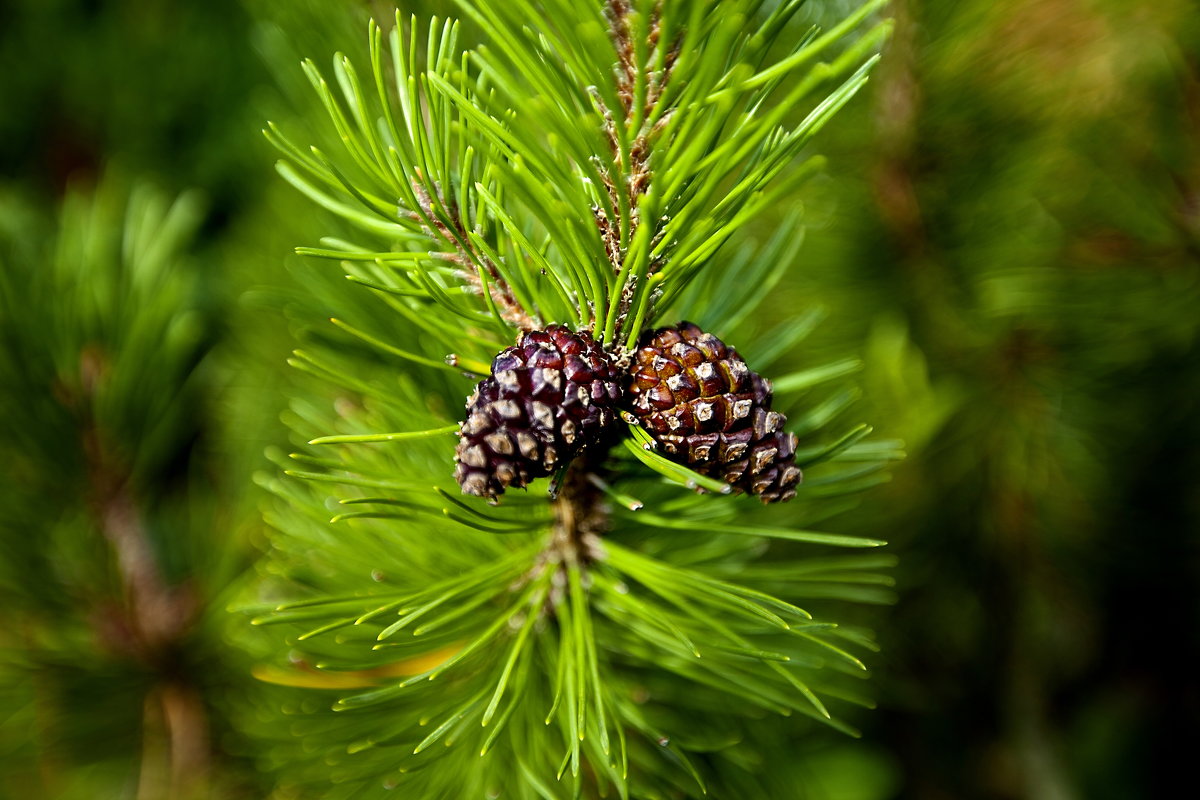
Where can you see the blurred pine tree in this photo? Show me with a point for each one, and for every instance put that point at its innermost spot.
(117, 541)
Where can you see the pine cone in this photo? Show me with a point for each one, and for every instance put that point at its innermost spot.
(707, 410)
(548, 396)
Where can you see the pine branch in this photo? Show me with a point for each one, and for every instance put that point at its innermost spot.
(660, 153)
(566, 173)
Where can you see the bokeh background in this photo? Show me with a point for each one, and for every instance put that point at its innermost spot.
(1008, 232)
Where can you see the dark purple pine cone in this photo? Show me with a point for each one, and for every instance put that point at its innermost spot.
(707, 410)
(548, 396)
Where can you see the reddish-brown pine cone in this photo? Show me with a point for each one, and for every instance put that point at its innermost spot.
(548, 396)
(706, 409)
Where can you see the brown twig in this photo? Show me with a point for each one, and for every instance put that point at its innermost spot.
(156, 616)
(467, 256)
(637, 171)
(580, 515)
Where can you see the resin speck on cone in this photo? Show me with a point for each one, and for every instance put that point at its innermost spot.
(548, 396)
(708, 410)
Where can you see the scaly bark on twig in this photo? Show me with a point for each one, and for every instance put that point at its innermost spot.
(467, 256)
(638, 170)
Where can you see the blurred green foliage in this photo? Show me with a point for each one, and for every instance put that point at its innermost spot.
(1008, 234)
(1014, 235)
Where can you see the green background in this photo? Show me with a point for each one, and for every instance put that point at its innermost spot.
(1008, 233)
